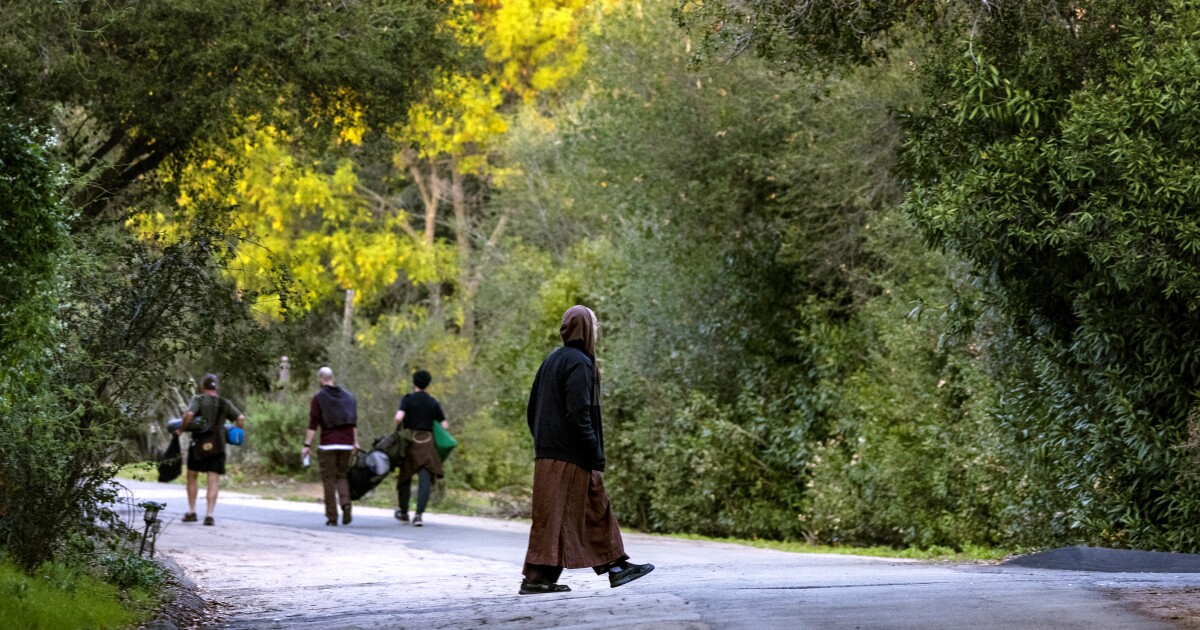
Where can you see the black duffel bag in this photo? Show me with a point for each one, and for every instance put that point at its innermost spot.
(170, 463)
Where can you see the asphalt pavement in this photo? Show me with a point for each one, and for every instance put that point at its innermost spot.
(275, 564)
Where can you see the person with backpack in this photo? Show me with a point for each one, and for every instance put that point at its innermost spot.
(573, 522)
(206, 453)
(418, 411)
(335, 412)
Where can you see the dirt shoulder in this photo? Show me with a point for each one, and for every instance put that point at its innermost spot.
(1178, 606)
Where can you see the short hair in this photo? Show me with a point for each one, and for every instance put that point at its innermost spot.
(325, 374)
(209, 381)
(422, 379)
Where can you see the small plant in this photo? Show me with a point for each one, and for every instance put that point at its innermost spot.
(130, 571)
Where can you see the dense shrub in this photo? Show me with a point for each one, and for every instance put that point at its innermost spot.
(703, 470)
(275, 431)
(492, 454)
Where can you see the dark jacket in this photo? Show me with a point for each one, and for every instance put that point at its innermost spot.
(336, 407)
(564, 410)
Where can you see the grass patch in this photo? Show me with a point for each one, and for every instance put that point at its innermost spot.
(56, 596)
(969, 553)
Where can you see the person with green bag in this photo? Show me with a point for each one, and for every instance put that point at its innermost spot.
(419, 418)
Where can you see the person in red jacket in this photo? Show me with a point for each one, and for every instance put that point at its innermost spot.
(335, 412)
(573, 523)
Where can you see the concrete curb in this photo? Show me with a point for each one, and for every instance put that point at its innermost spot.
(185, 606)
(1101, 560)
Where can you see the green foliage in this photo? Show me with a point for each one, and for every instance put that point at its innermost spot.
(129, 571)
(275, 431)
(55, 596)
(32, 235)
(1073, 206)
(51, 466)
(701, 470)
(1056, 158)
(54, 479)
(816, 34)
(141, 82)
(492, 454)
(916, 458)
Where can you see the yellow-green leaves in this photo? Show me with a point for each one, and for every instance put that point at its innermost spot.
(300, 217)
(530, 47)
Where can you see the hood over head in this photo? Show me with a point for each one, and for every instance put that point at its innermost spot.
(579, 329)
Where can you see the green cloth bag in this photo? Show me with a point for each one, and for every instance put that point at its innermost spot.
(443, 441)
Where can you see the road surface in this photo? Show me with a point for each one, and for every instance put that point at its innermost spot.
(274, 564)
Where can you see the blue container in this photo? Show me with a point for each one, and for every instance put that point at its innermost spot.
(234, 435)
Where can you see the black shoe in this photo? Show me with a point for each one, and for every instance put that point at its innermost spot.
(538, 588)
(190, 517)
(208, 520)
(346, 514)
(332, 523)
(401, 516)
(628, 573)
(417, 520)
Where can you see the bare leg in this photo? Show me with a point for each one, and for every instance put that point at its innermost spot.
(213, 480)
(193, 488)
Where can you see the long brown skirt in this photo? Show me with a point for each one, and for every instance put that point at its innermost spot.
(422, 453)
(573, 522)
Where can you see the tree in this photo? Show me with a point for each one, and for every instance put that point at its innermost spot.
(139, 82)
(32, 236)
(722, 219)
(530, 48)
(114, 95)
(1055, 156)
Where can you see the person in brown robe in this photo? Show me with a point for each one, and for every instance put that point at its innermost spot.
(573, 523)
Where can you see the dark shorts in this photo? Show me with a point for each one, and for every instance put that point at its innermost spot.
(215, 464)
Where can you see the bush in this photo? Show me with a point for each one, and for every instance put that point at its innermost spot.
(491, 455)
(53, 482)
(275, 431)
(128, 570)
(699, 471)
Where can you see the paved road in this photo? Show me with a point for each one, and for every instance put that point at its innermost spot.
(274, 564)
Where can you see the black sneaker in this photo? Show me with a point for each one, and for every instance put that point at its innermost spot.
(190, 517)
(627, 573)
(208, 520)
(346, 514)
(417, 520)
(401, 516)
(331, 523)
(538, 588)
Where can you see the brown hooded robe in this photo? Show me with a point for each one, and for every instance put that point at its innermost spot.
(573, 523)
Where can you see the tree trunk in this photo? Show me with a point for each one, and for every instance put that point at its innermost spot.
(462, 237)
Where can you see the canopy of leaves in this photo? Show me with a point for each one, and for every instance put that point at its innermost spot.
(32, 235)
(1056, 156)
(109, 101)
(140, 81)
